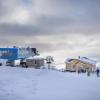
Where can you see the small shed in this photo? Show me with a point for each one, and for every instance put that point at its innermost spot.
(35, 61)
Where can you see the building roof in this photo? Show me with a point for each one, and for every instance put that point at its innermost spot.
(85, 59)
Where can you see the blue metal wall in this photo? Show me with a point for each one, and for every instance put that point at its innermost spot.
(9, 53)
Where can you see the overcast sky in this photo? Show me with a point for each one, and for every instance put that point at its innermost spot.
(62, 28)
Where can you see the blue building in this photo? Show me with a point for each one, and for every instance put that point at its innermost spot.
(15, 53)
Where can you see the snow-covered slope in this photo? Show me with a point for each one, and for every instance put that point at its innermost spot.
(42, 84)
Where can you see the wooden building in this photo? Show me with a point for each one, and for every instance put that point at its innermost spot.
(35, 62)
(80, 64)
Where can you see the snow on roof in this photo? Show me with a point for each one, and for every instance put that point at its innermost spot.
(35, 57)
(68, 60)
(84, 59)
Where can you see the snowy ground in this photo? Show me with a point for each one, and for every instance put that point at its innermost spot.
(42, 84)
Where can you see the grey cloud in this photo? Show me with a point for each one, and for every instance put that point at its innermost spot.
(17, 29)
(66, 16)
(6, 7)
